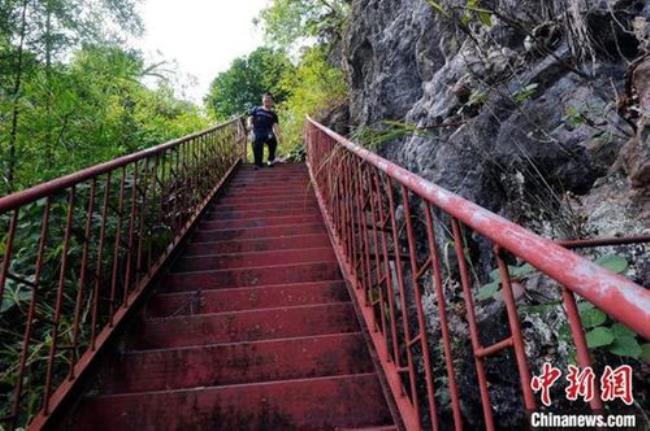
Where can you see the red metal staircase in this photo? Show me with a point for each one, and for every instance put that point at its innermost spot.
(176, 288)
(252, 329)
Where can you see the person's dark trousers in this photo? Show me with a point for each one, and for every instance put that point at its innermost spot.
(258, 149)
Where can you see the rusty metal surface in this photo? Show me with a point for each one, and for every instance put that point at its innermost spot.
(389, 227)
(105, 233)
(305, 404)
(243, 334)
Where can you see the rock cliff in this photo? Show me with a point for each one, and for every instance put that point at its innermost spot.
(537, 110)
(522, 110)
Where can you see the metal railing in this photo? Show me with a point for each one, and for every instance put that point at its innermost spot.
(78, 251)
(399, 238)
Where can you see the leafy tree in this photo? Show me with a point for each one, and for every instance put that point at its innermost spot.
(241, 86)
(33, 36)
(316, 87)
(287, 22)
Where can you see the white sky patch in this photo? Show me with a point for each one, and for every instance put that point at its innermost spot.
(199, 38)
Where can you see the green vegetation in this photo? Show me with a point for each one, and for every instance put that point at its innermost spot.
(308, 85)
(71, 94)
(601, 332)
(286, 22)
(239, 88)
(614, 337)
(316, 87)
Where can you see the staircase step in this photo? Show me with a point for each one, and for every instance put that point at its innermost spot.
(300, 180)
(268, 221)
(245, 202)
(275, 173)
(234, 198)
(253, 245)
(259, 232)
(257, 206)
(249, 325)
(248, 277)
(379, 428)
(227, 364)
(245, 189)
(218, 214)
(255, 259)
(276, 170)
(301, 186)
(309, 404)
(247, 298)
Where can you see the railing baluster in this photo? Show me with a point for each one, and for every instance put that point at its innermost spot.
(580, 341)
(131, 232)
(9, 247)
(422, 326)
(378, 257)
(150, 180)
(515, 330)
(27, 338)
(59, 301)
(402, 294)
(116, 249)
(390, 291)
(99, 264)
(444, 323)
(366, 276)
(473, 327)
(82, 277)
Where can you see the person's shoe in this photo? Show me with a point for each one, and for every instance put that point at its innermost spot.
(271, 163)
(257, 167)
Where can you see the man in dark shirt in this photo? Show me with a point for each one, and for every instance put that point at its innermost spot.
(264, 122)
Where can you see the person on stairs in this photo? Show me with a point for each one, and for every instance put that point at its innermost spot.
(266, 130)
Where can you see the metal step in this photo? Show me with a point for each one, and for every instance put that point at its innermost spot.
(254, 259)
(246, 298)
(226, 364)
(324, 403)
(240, 326)
(248, 277)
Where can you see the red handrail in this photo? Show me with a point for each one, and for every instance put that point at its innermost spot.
(619, 297)
(359, 193)
(105, 233)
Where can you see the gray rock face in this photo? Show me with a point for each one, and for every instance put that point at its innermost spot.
(534, 116)
(519, 119)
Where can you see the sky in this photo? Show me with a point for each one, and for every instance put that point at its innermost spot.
(199, 38)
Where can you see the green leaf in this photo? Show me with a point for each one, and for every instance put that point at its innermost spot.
(485, 292)
(645, 352)
(485, 18)
(564, 332)
(626, 346)
(438, 8)
(620, 330)
(584, 305)
(592, 317)
(496, 275)
(613, 262)
(538, 308)
(599, 337)
(516, 272)
(520, 272)
(7, 303)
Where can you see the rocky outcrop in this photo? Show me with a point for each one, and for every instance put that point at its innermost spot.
(524, 100)
(521, 113)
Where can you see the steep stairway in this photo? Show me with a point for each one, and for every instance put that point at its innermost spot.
(253, 329)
